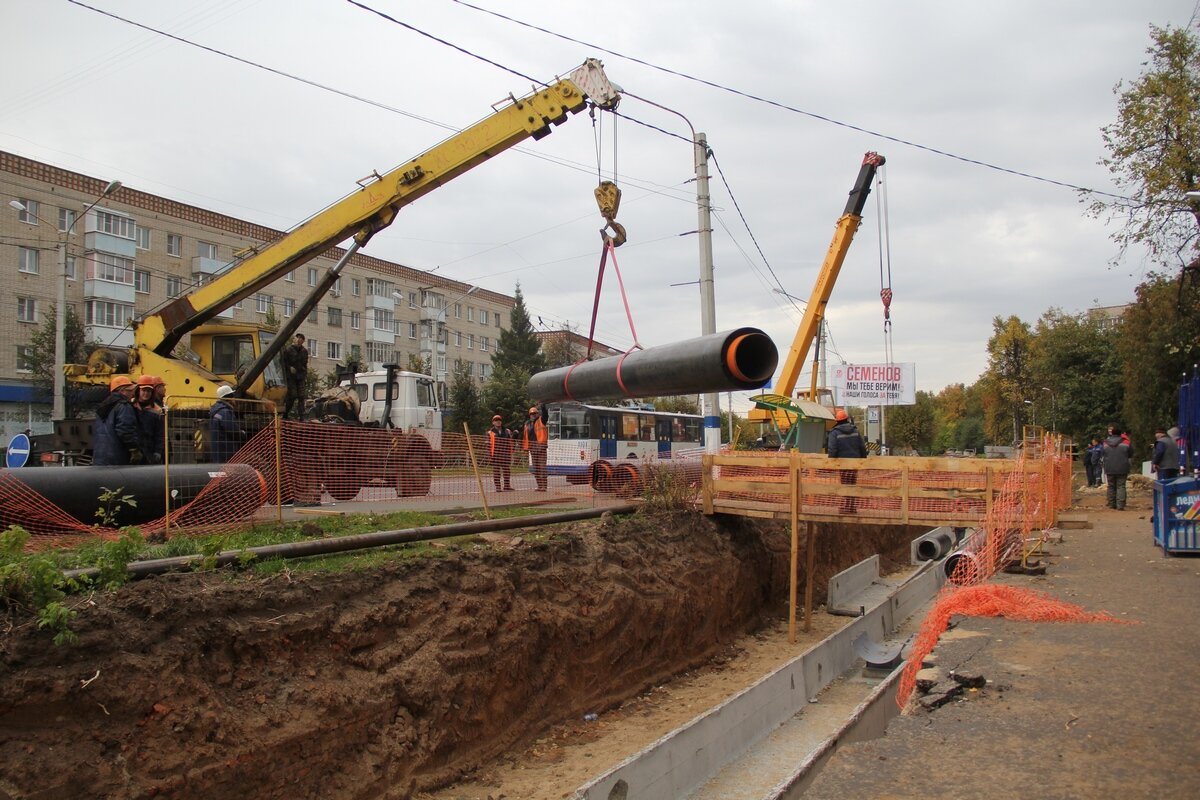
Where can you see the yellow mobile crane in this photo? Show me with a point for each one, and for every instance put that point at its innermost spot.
(360, 215)
(778, 409)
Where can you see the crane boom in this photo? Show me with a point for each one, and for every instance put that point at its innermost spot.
(814, 313)
(371, 209)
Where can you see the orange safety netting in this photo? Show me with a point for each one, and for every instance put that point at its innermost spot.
(987, 600)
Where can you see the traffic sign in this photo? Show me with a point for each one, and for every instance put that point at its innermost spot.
(18, 451)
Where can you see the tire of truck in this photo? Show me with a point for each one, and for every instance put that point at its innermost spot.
(414, 473)
(343, 477)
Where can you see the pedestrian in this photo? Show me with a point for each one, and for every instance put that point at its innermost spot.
(844, 441)
(150, 419)
(224, 432)
(116, 438)
(500, 450)
(1117, 453)
(1165, 461)
(1093, 462)
(295, 372)
(534, 440)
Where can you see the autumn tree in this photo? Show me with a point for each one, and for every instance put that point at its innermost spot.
(1008, 379)
(912, 427)
(1154, 152)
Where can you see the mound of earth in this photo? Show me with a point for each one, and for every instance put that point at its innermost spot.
(387, 681)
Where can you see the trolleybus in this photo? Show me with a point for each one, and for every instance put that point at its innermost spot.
(582, 434)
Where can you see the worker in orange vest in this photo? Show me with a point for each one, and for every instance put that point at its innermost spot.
(500, 447)
(534, 440)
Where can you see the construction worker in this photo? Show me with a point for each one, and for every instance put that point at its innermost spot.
(534, 439)
(224, 432)
(295, 373)
(117, 436)
(844, 441)
(500, 449)
(150, 419)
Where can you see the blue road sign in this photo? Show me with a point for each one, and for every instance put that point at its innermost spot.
(18, 451)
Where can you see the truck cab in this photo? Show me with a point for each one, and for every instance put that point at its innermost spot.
(412, 404)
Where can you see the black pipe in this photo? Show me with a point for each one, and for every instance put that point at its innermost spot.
(77, 490)
(933, 546)
(362, 541)
(736, 360)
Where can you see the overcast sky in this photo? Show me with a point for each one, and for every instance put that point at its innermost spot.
(1019, 85)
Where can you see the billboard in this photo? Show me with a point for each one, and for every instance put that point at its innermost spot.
(875, 384)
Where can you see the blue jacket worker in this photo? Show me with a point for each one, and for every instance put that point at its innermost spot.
(117, 435)
(224, 432)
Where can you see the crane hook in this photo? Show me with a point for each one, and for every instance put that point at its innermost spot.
(608, 198)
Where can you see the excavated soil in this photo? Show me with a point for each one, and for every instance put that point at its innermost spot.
(386, 682)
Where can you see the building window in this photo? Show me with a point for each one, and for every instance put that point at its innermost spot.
(70, 268)
(113, 224)
(312, 276)
(483, 316)
(334, 350)
(355, 352)
(412, 330)
(289, 307)
(66, 219)
(333, 317)
(27, 260)
(107, 313)
(377, 352)
(174, 286)
(382, 320)
(143, 237)
(262, 302)
(26, 309)
(29, 212)
(497, 318)
(239, 305)
(114, 269)
(355, 287)
(337, 287)
(412, 299)
(290, 277)
(174, 245)
(470, 314)
(458, 310)
(206, 250)
(457, 339)
(141, 281)
(483, 344)
(470, 341)
(355, 320)
(483, 370)
(24, 358)
(441, 365)
(426, 330)
(380, 288)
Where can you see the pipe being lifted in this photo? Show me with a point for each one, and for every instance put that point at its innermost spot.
(736, 360)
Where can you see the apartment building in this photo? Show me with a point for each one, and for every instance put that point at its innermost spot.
(135, 251)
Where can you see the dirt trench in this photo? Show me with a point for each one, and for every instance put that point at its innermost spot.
(384, 682)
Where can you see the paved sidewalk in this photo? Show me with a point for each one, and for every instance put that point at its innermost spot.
(1071, 710)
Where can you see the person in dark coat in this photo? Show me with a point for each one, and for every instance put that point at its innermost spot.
(150, 419)
(1117, 453)
(116, 435)
(295, 373)
(1165, 461)
(500, 453)
(844, 441)
(1093, 462)
(224, 432)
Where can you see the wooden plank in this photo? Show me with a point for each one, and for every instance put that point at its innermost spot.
(810, 558)
(793, 563)
(706, 490)
(904, 497)
(765, 487)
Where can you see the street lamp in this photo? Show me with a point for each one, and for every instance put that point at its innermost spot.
(1033, 411)
(1053, 408)
(58, 409)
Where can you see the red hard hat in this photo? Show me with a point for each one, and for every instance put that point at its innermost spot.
(841, 415)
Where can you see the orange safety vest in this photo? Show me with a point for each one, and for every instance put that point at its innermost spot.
(539, 432)
(492, 437)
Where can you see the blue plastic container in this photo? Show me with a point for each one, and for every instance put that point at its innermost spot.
(1177, 515)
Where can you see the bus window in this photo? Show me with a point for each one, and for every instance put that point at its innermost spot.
(692, 428)
(572, 423)
(629, 427)
(677, 432)
(647, 428)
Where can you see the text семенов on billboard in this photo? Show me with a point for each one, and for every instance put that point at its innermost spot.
(875, 384)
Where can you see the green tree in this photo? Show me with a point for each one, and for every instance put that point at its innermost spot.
(464, 399)
(40, 361)
(1077, 375)
(1154, 151)
(506, 393)
(677, 404)
(913, 427)
(1158, 343)
(518, 348)
(1008, 378)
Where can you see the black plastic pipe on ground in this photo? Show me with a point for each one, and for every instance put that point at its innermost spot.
(362, 541)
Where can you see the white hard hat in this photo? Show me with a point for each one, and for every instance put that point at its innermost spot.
(224, 390)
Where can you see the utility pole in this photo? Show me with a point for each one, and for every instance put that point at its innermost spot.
(711, 405)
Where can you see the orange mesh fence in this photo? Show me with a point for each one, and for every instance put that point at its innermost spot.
(988, 600)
